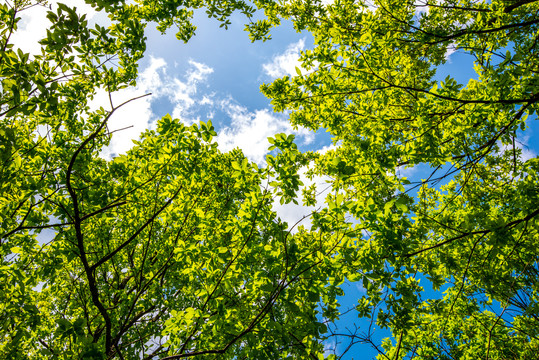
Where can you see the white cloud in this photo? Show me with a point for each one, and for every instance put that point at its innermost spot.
(421, 7)
(31, 29)
(330, 347)
(137, 116)
(154, 75)
(527, 153)
(285, 63)
(182, 93)
(450, 50)
(206, 101)
(34, 24)
(246, 129)
(129, 121)
(408, 171)
(250, 130)
(200, 73)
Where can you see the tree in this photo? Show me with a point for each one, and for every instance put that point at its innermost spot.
(169, 251)
(173, 251)
(468, 229)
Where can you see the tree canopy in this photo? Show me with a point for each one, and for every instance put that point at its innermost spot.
(173, 249)
(470, 227)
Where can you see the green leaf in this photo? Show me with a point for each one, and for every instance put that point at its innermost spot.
(16, 250)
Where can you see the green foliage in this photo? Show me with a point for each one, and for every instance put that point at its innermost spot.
(170, 250)
(173, 249)
(371, 84)
(285, 166)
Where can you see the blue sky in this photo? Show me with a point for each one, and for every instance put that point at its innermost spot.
(217, 76)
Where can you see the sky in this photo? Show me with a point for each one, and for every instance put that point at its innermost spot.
(217, 76)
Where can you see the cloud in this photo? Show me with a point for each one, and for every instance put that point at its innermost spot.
(182, 93)
(409, 171)
(421, 7)
(34, 23)
(285, 63)
(132, 119)
(330, 347)
(200, 73)
(250, 130)
(154, 75)
(187, 97)
(450, 50)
